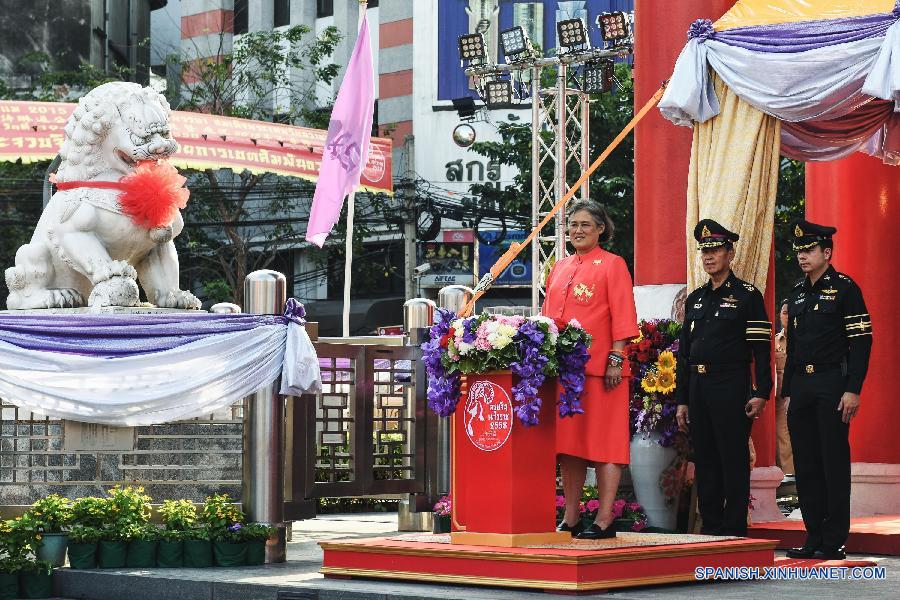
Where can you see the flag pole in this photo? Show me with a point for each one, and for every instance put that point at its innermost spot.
(348, 261)
(351, 208)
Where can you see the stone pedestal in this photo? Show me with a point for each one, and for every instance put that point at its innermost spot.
(145, 309)
(874, 489)
(764, 482)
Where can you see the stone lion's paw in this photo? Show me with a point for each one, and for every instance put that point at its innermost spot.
(178, 299)
(117, 291)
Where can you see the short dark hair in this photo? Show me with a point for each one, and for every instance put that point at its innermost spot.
(827, 244)
(599, 214)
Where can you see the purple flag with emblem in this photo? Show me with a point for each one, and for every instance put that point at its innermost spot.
(347, 145)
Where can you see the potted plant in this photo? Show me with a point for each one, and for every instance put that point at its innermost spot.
(629, 515)
(36, 579)
(142, 543)
(89, 511)
(255, 536)
(124, 511)
(442, 511)
(49, 517)
(178, 516)
(83, 547)
(9, 574)
(229, 547)
(658, 448)
(197, 548)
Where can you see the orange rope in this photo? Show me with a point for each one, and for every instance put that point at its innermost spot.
(515, 248)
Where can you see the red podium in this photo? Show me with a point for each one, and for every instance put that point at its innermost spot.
(503, 473)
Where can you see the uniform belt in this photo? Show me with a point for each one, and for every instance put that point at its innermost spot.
(809, 369)
(704, 369)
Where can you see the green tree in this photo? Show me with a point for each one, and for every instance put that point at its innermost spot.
(790, 204)
(612, 184)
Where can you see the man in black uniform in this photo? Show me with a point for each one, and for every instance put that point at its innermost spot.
(829, 336)
(725, 327)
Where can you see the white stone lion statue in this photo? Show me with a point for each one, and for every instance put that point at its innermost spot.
(85, 246)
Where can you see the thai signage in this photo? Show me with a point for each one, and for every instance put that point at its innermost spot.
(33, 131)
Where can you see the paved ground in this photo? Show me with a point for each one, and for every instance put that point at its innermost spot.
(300, 576)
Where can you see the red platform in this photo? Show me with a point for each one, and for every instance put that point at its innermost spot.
(550, 569)
(868, 535)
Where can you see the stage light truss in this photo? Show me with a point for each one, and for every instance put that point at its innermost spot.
(472, 49)
(572, 36)
(614, 26)
(516, 45)
(498, 93)
(563, 113)
(598, 77)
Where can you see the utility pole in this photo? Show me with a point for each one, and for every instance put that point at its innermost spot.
(408, 197)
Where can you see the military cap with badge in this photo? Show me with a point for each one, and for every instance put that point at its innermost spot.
(710, 234)
(807, 234)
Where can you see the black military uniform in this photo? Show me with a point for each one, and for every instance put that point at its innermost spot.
(829, 337)
(724, 329)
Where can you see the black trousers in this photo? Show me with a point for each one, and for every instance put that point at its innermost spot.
(821, 445)
(720, 436)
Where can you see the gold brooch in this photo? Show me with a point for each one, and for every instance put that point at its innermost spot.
(797, 231)
(599, 261)
(583, 292)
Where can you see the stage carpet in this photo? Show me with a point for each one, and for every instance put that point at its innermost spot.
(868, 535)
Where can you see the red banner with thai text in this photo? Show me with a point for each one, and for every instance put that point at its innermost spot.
(33, 131)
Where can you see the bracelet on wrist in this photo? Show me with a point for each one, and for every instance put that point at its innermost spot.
(615, 360)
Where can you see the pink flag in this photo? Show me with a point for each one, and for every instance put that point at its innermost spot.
(347, 144)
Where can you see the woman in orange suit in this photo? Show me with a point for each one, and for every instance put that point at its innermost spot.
(594, 287)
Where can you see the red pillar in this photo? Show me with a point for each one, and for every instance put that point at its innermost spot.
(662, 151)
(764, 429)
(861, 197)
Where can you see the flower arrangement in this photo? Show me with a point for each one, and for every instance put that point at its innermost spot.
(629, 514)
(444, 506)
(532, 348)
(124, 511)
(653, 356)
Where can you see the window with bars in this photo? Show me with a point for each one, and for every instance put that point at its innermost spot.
(282, 13)
(241, 22)
(324, 8)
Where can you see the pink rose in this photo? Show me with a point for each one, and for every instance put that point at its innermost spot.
(581, 507)
(639, 525)
(618, 507)
(560, 501)
(593, 505)
(633, 506)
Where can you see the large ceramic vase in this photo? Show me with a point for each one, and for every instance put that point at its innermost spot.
(648, 460)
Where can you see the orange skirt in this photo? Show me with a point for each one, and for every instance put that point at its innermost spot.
(601, 434)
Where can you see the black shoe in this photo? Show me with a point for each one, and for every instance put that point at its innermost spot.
(595, 533)
(802, 552)
(830, 554)
(575, 529)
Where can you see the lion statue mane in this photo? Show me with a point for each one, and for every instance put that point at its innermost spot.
(86, 246)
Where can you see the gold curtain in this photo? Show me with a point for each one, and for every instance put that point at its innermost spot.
(733, 179)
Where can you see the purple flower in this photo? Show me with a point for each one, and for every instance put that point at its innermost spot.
(443, 389)
(701, 29)
(235, 527)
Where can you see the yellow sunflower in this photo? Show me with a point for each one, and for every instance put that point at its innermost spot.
(666, 361)
(648, 383)
(665, 382)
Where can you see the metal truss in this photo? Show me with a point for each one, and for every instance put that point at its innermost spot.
(559, 139)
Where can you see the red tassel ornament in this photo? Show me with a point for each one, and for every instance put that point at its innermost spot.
(151, 195)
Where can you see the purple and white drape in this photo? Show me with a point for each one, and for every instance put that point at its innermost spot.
(145, 369)
(834, 84)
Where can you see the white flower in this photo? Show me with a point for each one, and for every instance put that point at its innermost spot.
(501, 341)
(573, 322)
(551, 324)
(463, 348)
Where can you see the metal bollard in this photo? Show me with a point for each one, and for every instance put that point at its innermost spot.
(418, 316)
(453, 298)
(263, 457)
